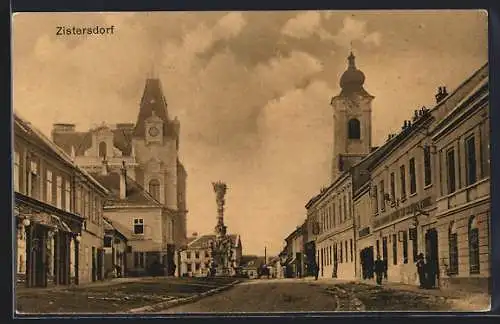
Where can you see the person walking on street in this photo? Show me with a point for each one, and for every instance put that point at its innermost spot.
(421, 269)
(316, 270)
(379, 270)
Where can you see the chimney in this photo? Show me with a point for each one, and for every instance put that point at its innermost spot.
(63, 128)
(123, 181)
(442, 93)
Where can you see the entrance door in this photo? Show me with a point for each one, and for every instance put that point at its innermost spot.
(431, 252)
(94, 264)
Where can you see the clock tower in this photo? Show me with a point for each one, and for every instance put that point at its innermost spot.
(352, 118)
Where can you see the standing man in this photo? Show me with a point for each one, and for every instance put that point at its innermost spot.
(379, 270)
(420, 264)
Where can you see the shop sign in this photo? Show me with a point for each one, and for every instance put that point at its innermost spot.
(400, 213)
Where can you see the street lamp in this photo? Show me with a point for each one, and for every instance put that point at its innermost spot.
(78, 238)
(26, 222)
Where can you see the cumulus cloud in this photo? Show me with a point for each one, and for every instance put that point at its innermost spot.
(303, 25)
(355, 30)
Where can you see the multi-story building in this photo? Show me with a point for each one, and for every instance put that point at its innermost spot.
(330, 213)
(147, 152)
(405, 185)
(461, 146)
(58, 211)
(296, 263)
(195, 259)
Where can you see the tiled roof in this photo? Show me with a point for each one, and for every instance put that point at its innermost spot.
(202, 242)
(252, 261)
(82, 141)
(116, 226)
(153, 100)
(135, 194)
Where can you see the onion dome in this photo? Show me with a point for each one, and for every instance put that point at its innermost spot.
(352, 79)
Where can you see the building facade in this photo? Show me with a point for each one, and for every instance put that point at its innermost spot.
(461, 144)
(58, 212)
(410, 193)
(195, 259)
(148, 225)
(147, 150)
(115, 249)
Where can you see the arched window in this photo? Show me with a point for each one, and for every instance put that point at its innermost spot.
(102, 149)
(353, 129)
(453, 248)
(154, 189)
(473, 245)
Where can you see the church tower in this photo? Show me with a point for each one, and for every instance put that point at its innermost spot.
(352, 119)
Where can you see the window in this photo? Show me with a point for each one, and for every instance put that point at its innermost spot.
(341, 218)
(453, 248)
(346, 253)
(413, 177)
(427, 166)
(341, 253)
(385, 252)
(107, 241)
(346, 215)
(197, 254)
(405, 247)
(393, 187)
(138, 226)
(59, 192)
(207, 255)
(473, 245)
(352, 256)
(33, 179)
(16, 171)
(394, 249)
(334, 215)
(402, 179)
(354, 129)
(102, 150)
(375, 199)
(382, 196)
(49, 190)
(470, 165)
(197, 266)
(378, 248)
(450, 164)
(67, 196)
(139, 259)
(189, 267)
(331, 255)
(188, 255)
(154, 189)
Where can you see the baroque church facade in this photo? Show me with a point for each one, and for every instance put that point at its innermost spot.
(140, 163)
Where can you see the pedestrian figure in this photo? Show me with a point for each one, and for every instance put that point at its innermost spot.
(379, 270)
(316, 271)
(420, 264)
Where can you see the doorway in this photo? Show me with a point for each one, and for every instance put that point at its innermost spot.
(367, 262)
(431, 252)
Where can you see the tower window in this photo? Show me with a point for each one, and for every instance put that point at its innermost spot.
(354, 131)
(154, 189)
(102, 149)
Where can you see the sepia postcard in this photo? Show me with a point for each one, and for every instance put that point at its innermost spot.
(251, 162)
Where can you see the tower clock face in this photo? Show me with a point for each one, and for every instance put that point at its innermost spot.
(153, 131)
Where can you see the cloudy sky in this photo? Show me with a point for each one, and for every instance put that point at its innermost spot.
(251, 89)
